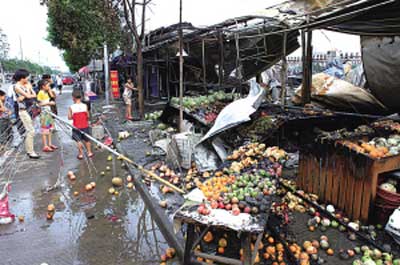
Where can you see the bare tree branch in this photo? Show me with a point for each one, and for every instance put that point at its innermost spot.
(143, 19)
(128, 23)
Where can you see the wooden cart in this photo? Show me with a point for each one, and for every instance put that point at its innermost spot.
(344, 178)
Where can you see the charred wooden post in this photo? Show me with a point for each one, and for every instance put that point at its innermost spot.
(221, 58)
(309, 64)
(246, 245)
(180, 69)
(284, 70)
(306, 38)
(190, 238)
(203, 57)
(167, 78)
(238, 63)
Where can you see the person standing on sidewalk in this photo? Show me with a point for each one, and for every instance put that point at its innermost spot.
(46, 120)
(5, 124)
(79, 114)
(52, 94)
(25, 97)
(59, 83)
(127, 95)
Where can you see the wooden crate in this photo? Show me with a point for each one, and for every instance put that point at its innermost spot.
(348, 181)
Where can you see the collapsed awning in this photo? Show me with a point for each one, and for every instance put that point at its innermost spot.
(366, 17)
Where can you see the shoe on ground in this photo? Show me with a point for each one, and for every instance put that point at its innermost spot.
(33, 156)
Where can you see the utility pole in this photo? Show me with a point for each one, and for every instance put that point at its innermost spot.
(106, 75)
(180, 69)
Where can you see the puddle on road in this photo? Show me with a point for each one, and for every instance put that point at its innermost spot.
(107, 228)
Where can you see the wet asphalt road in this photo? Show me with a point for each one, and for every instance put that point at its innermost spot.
(91, 228)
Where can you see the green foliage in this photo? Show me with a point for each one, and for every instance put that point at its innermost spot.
(81, 27)
(11, 65)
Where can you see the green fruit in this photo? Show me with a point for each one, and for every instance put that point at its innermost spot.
(365, 258)
(162, 126)
(396, 262)
(357, 250)
(387, 256)
(247, 178)
(367, 253)
(364, 248)
(262, 172)
(334, 224)
(377, 254)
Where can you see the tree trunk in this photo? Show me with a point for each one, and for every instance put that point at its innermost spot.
(140, 77)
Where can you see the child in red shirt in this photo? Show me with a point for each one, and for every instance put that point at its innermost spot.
(79, 114)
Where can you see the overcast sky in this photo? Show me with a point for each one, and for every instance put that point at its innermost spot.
(27, 19)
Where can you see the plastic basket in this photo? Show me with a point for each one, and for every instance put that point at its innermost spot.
(98, 132)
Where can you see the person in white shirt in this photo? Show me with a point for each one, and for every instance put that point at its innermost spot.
(59, 83)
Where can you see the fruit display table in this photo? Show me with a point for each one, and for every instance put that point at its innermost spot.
(195, 235)
(344, 177)
(235, 199)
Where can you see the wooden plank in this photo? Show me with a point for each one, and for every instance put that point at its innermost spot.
(316, 175)
(350, 193)
(305, 173)
(343, 186)
(190, 238)
(304, 170)
(256, 245)
(246, 246)
(309, 174)
(358, 190)
(367, 196)
(330, 166)
(323, 174)
(336, 180)
(300, 175)
(219, 259)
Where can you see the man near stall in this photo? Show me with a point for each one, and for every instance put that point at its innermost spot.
(59, 83)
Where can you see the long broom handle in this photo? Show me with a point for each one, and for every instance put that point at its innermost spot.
(128, 160)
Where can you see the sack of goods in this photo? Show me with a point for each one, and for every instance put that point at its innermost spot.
(335, 93)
